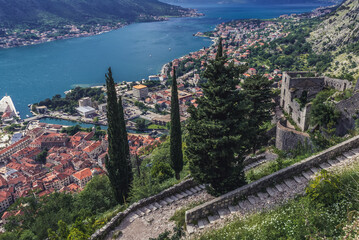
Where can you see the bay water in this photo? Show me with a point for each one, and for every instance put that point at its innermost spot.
(30, 74)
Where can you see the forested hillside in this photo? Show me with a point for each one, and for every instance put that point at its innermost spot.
(53, 12)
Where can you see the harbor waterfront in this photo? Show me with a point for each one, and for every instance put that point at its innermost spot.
(134, 52)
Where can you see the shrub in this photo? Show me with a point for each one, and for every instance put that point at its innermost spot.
(325, 189)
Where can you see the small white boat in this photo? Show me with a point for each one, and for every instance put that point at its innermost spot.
(27, 116)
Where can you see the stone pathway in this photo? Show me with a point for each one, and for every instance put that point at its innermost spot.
(272, 196)
(153, 219)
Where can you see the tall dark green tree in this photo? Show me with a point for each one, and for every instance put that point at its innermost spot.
(216, 129)
(117, 161)
(258, 91)
(176, 134)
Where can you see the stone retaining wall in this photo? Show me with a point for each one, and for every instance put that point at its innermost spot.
(288, 139)
(234, 196)
(116, 220)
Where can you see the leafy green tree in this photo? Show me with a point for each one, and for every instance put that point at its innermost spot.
(323, 111)
(216, 142)
(97, 196)
(41, 158)
(175, 132)
(257, 90)
(140, 124)
(117, 161)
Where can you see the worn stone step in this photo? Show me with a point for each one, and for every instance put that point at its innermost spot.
(341, 158)
(299, 179)
(213, 218)
(198, 188)
(262, 195)
(290, 183)
(253, 199)
(140, 213)
(151, 207)
(324, 165)
(163, 203)
(193, 190)
(223, 212)
(202, 223)
(279, 187)
(189, 193)
(133, 217)
(314, 170)
(272, 191)
(168, 200)
(233, 209)
(354, 153)
(355, 150)
(308, 174)
(178, 196)
(145, 210)
(202, 186)
(157, 205)
(333, 162)
(190, 228)
(245, 204)
(348, 154)
(173, 197)
(184, 194)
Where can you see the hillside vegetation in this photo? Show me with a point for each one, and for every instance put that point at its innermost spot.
(52, 12)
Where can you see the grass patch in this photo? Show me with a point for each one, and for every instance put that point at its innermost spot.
(155, 126)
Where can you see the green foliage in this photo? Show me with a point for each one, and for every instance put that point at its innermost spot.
(70, 101)
(97, 197)
(322, 111)
(117, 161)
(176, 154)
(57, 210)
(140, 124)
(257, 89)
(46, 15)
(161, 171)
(41, 158)
(216, 129)
(329, 204)
(324, 189)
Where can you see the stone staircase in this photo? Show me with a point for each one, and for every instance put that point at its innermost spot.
(166, 201)
(272, 195)
(152, 219)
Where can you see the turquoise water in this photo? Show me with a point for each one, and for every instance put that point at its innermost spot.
(32, 73)
(68, 123)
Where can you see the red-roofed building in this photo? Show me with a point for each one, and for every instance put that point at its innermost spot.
(82, 177)
(5, 200)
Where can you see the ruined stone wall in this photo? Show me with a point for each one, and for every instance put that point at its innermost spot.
(349, 110)
(337, 84)
(288, 139)
(232, 197)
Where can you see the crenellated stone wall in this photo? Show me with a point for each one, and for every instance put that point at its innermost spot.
(232, 197)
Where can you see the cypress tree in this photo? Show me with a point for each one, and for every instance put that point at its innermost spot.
(258, 91)
(215, 142)
(176, 135)
(117, 161)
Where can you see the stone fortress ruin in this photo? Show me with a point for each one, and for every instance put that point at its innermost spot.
(297, 92)
(300, 88)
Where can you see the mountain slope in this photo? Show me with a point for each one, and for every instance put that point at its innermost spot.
(340, 29)
(52, 12)
(255, 1)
